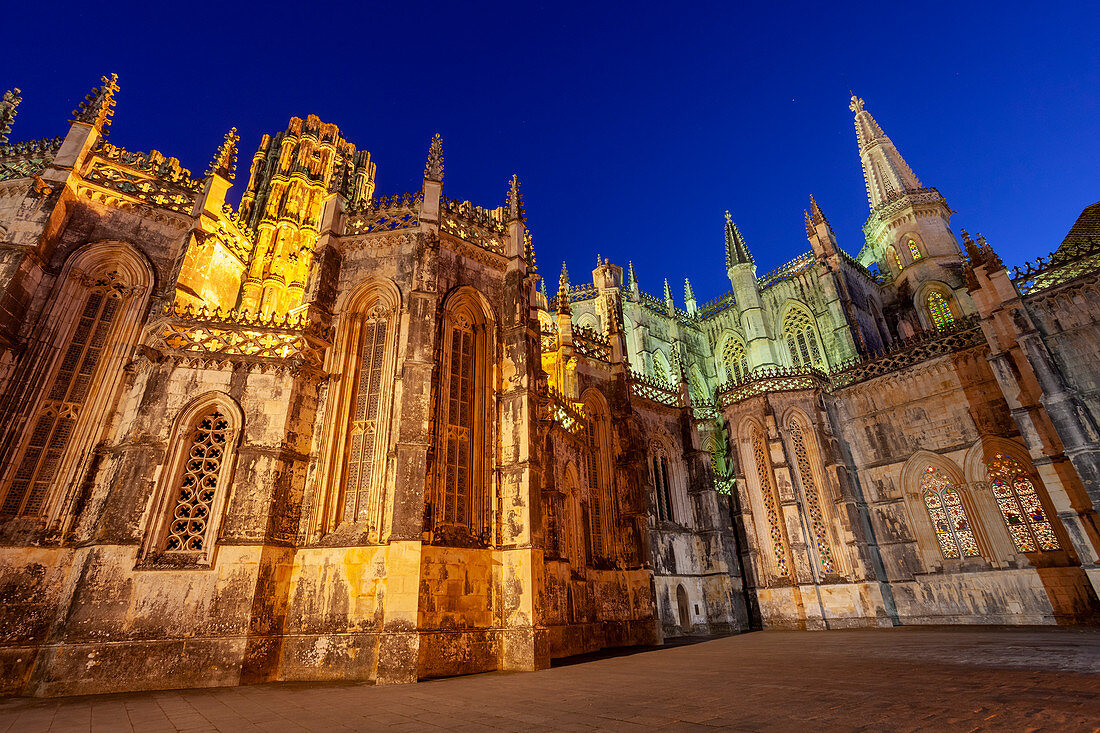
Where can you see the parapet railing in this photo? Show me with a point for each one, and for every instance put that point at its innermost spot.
(1060, 267)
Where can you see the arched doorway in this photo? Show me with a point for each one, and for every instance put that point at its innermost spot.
(682, 605)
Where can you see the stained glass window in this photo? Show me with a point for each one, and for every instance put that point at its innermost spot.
(945, 509)
(735, 360)
(813, 503)
(199, 483)
(771, 501)
(798, 329)
(893, 254)
(65, 397)
(361, 437)
(1023, 513)
(940, 310)
(914, 250)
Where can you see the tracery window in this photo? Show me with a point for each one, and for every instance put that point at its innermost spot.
(914, 250)
(461, 482)
(770, 500)
(198, 485)
(948, 515)
(813, 497)
(939, 310)
(735, 360)
(662, 487)
(595, 489)
(798, 329)
(362, 435)
(65, 397)
(660, 371)
(1021, 509)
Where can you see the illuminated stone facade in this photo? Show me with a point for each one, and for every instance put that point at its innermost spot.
(336, 436)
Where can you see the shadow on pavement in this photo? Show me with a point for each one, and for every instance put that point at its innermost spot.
(626, 651)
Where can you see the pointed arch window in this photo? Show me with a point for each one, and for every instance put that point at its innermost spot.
(595, 489)
(1020, 507)
(814, 498)
(461, 487)
(939, 310)
(770, 499)
(735, 360)
(359, 500)
(801, 338)
(195, 483)
(661, 484)
(352, 483)
(892, 257)
(944, 505)
(914, 249)
(97, 307)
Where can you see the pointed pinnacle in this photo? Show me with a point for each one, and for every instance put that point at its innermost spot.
(433, 169)
(514, 203)
(99, 104)
(631, 279)
(8, 105)
(224, 162)
(542, 287)
(563, 279)
(689, 294)
(808, 222)
(737, 252)
(668, 291)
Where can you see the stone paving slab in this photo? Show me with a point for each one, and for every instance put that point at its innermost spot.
(907, 679)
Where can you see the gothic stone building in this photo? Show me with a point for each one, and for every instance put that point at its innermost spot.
(337, 436)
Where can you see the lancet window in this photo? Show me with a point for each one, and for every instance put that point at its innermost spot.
(813, 496)
(770, 499)
(362, 439)
(914, 249)
(662, 485)
(943, 502)
(735, 360)
(460, 500)
(798, 330)
(1021, 509)
(939, 310)
(595, 489)
(353, 479)
(64, 399)
(97, 306)
(892, 256)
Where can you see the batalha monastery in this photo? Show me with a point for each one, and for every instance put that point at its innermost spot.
(340, 436)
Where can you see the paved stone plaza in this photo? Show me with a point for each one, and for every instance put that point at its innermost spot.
(904, 679)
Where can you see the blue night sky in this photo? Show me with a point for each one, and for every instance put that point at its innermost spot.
(633, 127)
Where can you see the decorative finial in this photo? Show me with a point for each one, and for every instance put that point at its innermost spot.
(542, 289)
(224, 163)
(433, 169)
(8, 105)
(563, 279)
(689, 294)
(668, 292)
(729, 219)
(808, 222)
(972, 252)
(514, 202)
(99, 105)
(856, 104)
(737, 252)
(631, 279)
(599, 261)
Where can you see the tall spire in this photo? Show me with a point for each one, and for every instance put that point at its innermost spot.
(886, 173)
(224, 163)
(737, 253)
(8, 105)
(99, 105)
(433, 169)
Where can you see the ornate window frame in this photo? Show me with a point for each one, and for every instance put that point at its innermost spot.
(765, 505)
(153, 554)
(921, 304)
(665, 469)
(808, 469)
(903, 245)
(734, 359)
(976, 464)
(603, 511)
(921, 523)
(123, 272)
(372, 302)
(804, 341)
(466, 310)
